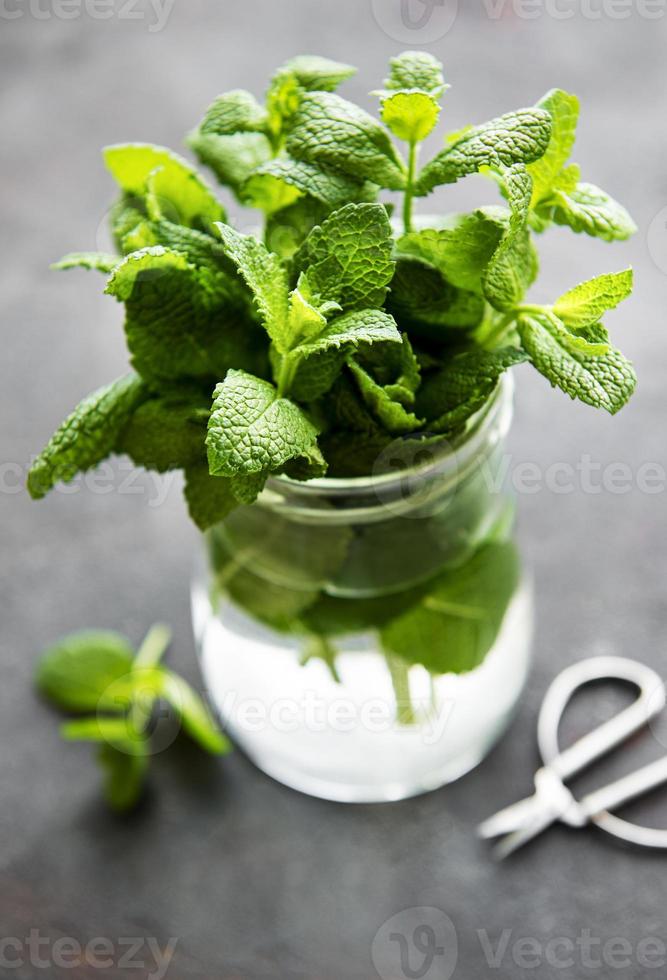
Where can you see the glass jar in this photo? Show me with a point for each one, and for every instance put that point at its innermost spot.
(367, 639)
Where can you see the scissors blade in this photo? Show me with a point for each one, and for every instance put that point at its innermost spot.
(510, 818)
(513, 841)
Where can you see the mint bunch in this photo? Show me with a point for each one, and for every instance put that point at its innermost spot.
(98, 674)
(307, 349)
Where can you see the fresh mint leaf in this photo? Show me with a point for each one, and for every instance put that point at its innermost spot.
(605, 381)
(87, 436)
(102, 261)
(330, 188)
(452, 628)
(546, 172)
(514, 265)
(179, 192)
(165, 434)
(316, 73)
(348, 258)
(349, 331)
(448, 398)
(181, 321)
(210, 499)
(232, 158)
(77, 671)
(585, 305)
(237, 111)
(517, 137)
(266, 277)
(416, 70)
(384, 404)
(124, 777)
(329, 131)
(589, 209)
(252, 428)
(427, 305)
(410, 115)
(462, 250)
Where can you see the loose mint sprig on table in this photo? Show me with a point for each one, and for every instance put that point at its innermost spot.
(307, 349)
(98, 671)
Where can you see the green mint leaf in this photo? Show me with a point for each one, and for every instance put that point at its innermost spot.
(514, 265)
(87, 436)
(266, 277)
(518, 137)
(124, 216)
(286, 230)
(232, 158)
(605, 381)
(252, 429)
(320, 648)
(410, 115)
(316, 73)
(209, 498)
(421, 299)
(77, 671)
(234, 112)
(329, 131)
(269, 193)
(348, 258)
(448, 398)
(462, 251)
(102, 261)
(383, 403)
(416, 70)
(546, 172)
(585, 305)
(179, 192)
(181, 321)
(165, 434)
(453, 626)
(349, 331)
(330, 188)
(589, 209)
(195, 716)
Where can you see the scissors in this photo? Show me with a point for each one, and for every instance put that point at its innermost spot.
(552, 801)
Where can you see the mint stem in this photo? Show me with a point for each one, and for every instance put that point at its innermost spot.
(153, 646)
(407, 200)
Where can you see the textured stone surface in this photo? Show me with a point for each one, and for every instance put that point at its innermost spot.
(254, 880)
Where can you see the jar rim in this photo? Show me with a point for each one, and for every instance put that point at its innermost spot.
(477, 426)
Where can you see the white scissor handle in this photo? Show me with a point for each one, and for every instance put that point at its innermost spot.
(649, 703)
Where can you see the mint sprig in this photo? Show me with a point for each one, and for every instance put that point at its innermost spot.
(98, 671)
(308, 348)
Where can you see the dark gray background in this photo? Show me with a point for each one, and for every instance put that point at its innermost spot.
(255, 880)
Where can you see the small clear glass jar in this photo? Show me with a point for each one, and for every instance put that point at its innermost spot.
(367, 639)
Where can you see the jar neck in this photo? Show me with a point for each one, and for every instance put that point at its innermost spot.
(407, 474)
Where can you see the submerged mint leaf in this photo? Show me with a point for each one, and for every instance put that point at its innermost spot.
(605, 381)
(453, 626)
(252, 428)
(330, 131)
(87, 436)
